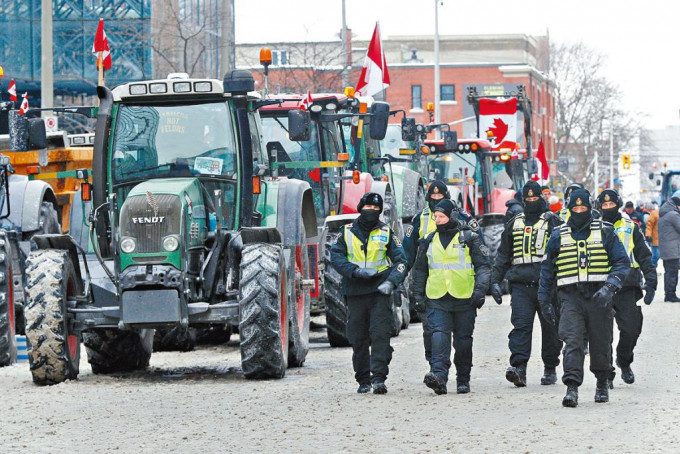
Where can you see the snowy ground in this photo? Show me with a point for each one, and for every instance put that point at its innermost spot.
(200, 402)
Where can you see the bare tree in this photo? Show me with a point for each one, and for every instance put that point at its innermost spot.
(588, 107)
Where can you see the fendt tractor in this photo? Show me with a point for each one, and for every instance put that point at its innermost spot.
(186, 229)
(322, 161)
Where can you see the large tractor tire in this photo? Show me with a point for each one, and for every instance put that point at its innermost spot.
(263, 304)
(405, 306)
(336, 309)
(53, 348)
(397, 314)
(176, 339)
(299, 309)
(8, 347)
(111, 350)
(213, 334)
(48, 221)
(492, 237)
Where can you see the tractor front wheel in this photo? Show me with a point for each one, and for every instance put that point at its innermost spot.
(8, 347)
(111, 350)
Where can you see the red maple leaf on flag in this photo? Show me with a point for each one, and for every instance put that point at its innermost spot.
(499, 130)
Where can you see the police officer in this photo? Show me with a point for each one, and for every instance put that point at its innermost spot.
(564, 213)
(587, 263)
(452, 273)
(519, 259)
(372, 263)
(628, 313)
(422, 225)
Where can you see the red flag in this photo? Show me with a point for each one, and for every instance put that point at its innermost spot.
(499, 118)
(307, 101)
(24, 105)
(12, 90)
(374, 77)
(540, 155)
(101, 44)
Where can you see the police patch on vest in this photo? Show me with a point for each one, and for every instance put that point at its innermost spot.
(401, 268)
(409, 230)
(397, 241)
(627, 230)
(382, 238)
(484, 249)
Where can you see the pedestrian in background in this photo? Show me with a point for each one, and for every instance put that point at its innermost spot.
(372, 263)
(652, 234)
(669, 245)
(452, 273)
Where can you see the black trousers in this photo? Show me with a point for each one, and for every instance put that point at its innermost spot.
(629, 320)
(579, 317)
(670, 276)
(445, 324)
(524, 308)
(369, 326)
(427, 336)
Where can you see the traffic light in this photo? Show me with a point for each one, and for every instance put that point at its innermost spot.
(626, 161)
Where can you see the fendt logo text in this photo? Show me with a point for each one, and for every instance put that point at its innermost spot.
(151, 220)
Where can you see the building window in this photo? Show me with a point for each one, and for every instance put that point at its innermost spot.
(447, 92)
(416, 96)
(279, 57)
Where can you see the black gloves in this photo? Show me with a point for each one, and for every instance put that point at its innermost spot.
(419, 305)
(478, 298)
(365, 273)
(497, 293)
(386, 288)
(548, 312)
(649, 295)
(603, 297)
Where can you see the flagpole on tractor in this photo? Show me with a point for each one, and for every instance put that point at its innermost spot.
(46, 57)
(437, 94)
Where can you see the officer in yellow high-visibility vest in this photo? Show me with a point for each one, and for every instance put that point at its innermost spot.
(628, 313)
(451, 275)
(587, 263)
(372, 263)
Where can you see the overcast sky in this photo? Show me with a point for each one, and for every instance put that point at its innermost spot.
(640, 38)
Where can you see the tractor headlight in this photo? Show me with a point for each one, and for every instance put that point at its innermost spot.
(128, 244)
(170, 243)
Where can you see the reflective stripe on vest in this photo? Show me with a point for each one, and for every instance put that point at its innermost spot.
(376, 256)
(529, 242)
(427, 224)
(624, 229)
(450, 269)
(582, 260)
(564, 214)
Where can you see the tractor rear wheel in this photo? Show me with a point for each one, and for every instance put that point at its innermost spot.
(53, 347)
(336, 309)
(299, 308)
(48, 222)
(405, 306)
(397, 314)
(8, 347)
(111, 350)
(263, 303)
(175, 339)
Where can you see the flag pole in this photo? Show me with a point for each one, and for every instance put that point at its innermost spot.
(100, 66)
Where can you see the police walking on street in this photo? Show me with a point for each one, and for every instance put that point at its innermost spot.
(521, 251)
(628, 313)
(422, 225)
(452, 273)
(372, 263)
(587, 263)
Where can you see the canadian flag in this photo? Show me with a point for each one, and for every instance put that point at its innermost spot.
(544, 170)
(24, 105)
(307, 101)
(12, 90)
(374, 77)
(101, 44)
(500, 118)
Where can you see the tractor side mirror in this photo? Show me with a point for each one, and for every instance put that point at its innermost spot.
(299, 125)
(450, 140)
(380, 115)
(532, 166)
(408, 129)
(651, 175)
(658, 182)
(37, 136)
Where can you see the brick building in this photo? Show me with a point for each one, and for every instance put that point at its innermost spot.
(494, 64)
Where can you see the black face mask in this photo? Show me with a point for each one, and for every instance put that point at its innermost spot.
(433, 203)
(610, 214)
(579, 219)
(534, 207)
(368, 218)
(452, 224)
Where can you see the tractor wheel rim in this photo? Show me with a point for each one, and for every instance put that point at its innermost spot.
(72, 342)
(282, 311)
(300, 293)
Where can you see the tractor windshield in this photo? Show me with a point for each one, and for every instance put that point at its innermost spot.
(393, 143)
(452, 167)
(164, 141)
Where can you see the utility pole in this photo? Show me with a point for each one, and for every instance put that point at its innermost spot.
(46, 65)
(228, 47)
(611, 156)
(597, 173)
(437, 94)
(345, 50)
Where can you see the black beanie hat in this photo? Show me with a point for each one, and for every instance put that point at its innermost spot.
(438, 187)
(370, 198)
(446, 207)
(579, 197)
(609, 195)
(531, 189)
(629, 204)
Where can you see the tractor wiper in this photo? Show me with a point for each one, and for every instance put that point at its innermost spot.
(146, 169)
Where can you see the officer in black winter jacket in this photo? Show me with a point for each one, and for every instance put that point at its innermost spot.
(521, 251)
(628, 313)
(452, 273)
(372, 263)
(514, 206)
(587, 263)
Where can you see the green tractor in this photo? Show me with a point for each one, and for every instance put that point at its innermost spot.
(186, 230)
